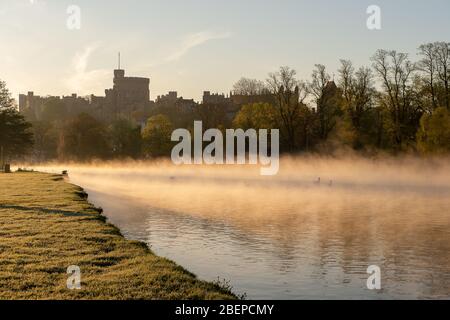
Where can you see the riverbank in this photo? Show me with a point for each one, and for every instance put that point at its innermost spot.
(47, 225)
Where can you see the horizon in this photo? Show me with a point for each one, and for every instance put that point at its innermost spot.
(188, 51)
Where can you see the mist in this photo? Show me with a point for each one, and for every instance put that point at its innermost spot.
(240, 195)
(160, 181)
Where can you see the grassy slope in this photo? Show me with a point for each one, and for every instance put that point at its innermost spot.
(46, 226)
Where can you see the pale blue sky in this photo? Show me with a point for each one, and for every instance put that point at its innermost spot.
(193, 45)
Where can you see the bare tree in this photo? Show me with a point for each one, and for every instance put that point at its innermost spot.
(325, 93)
(246, 86)
(290, 96)
(443, 67)
(429, 65)
(396, 72)
(358, 90)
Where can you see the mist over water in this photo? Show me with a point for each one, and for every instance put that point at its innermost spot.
(288, 236)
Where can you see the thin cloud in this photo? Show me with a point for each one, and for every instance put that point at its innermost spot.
(194, 40)
(83, 80)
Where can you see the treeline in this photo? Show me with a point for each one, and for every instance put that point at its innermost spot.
(394, 105)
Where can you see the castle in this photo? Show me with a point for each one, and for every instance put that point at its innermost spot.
(233, 102)
(129, 97)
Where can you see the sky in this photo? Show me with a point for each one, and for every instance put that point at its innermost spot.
(194, 45)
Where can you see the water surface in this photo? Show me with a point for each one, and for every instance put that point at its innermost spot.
(289, 236)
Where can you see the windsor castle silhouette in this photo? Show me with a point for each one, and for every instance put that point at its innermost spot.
(130, 98)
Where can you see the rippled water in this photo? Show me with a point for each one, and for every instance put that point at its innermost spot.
(289, 237)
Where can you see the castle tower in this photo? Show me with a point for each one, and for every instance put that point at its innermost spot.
(119, 73)
(128, 93)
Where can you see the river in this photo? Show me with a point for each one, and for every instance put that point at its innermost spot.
(289, 236)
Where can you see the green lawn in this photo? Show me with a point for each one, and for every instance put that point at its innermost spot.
(46, 225)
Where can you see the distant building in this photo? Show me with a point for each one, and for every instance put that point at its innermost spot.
(233, 103)
(129, 97)
(243, 99)
(31, 104)
(171, 97)
(129, 94)
(237, 99)
(172, 100)
(214, 98)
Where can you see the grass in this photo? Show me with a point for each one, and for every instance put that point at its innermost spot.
(47, 225)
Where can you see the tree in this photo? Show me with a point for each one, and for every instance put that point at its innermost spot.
(398, 95)
(180, 115)
(45, 140)
(83, 138)
(53, 110)
(248, 87)
(6, 101)
(256, 116)
(429, 66)
(290, 95)
(16, 137)
(327, 98)
(212, 115)
(358, 95)
(157, 136)
(126, 139)
(433, 136)
(443, 68)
